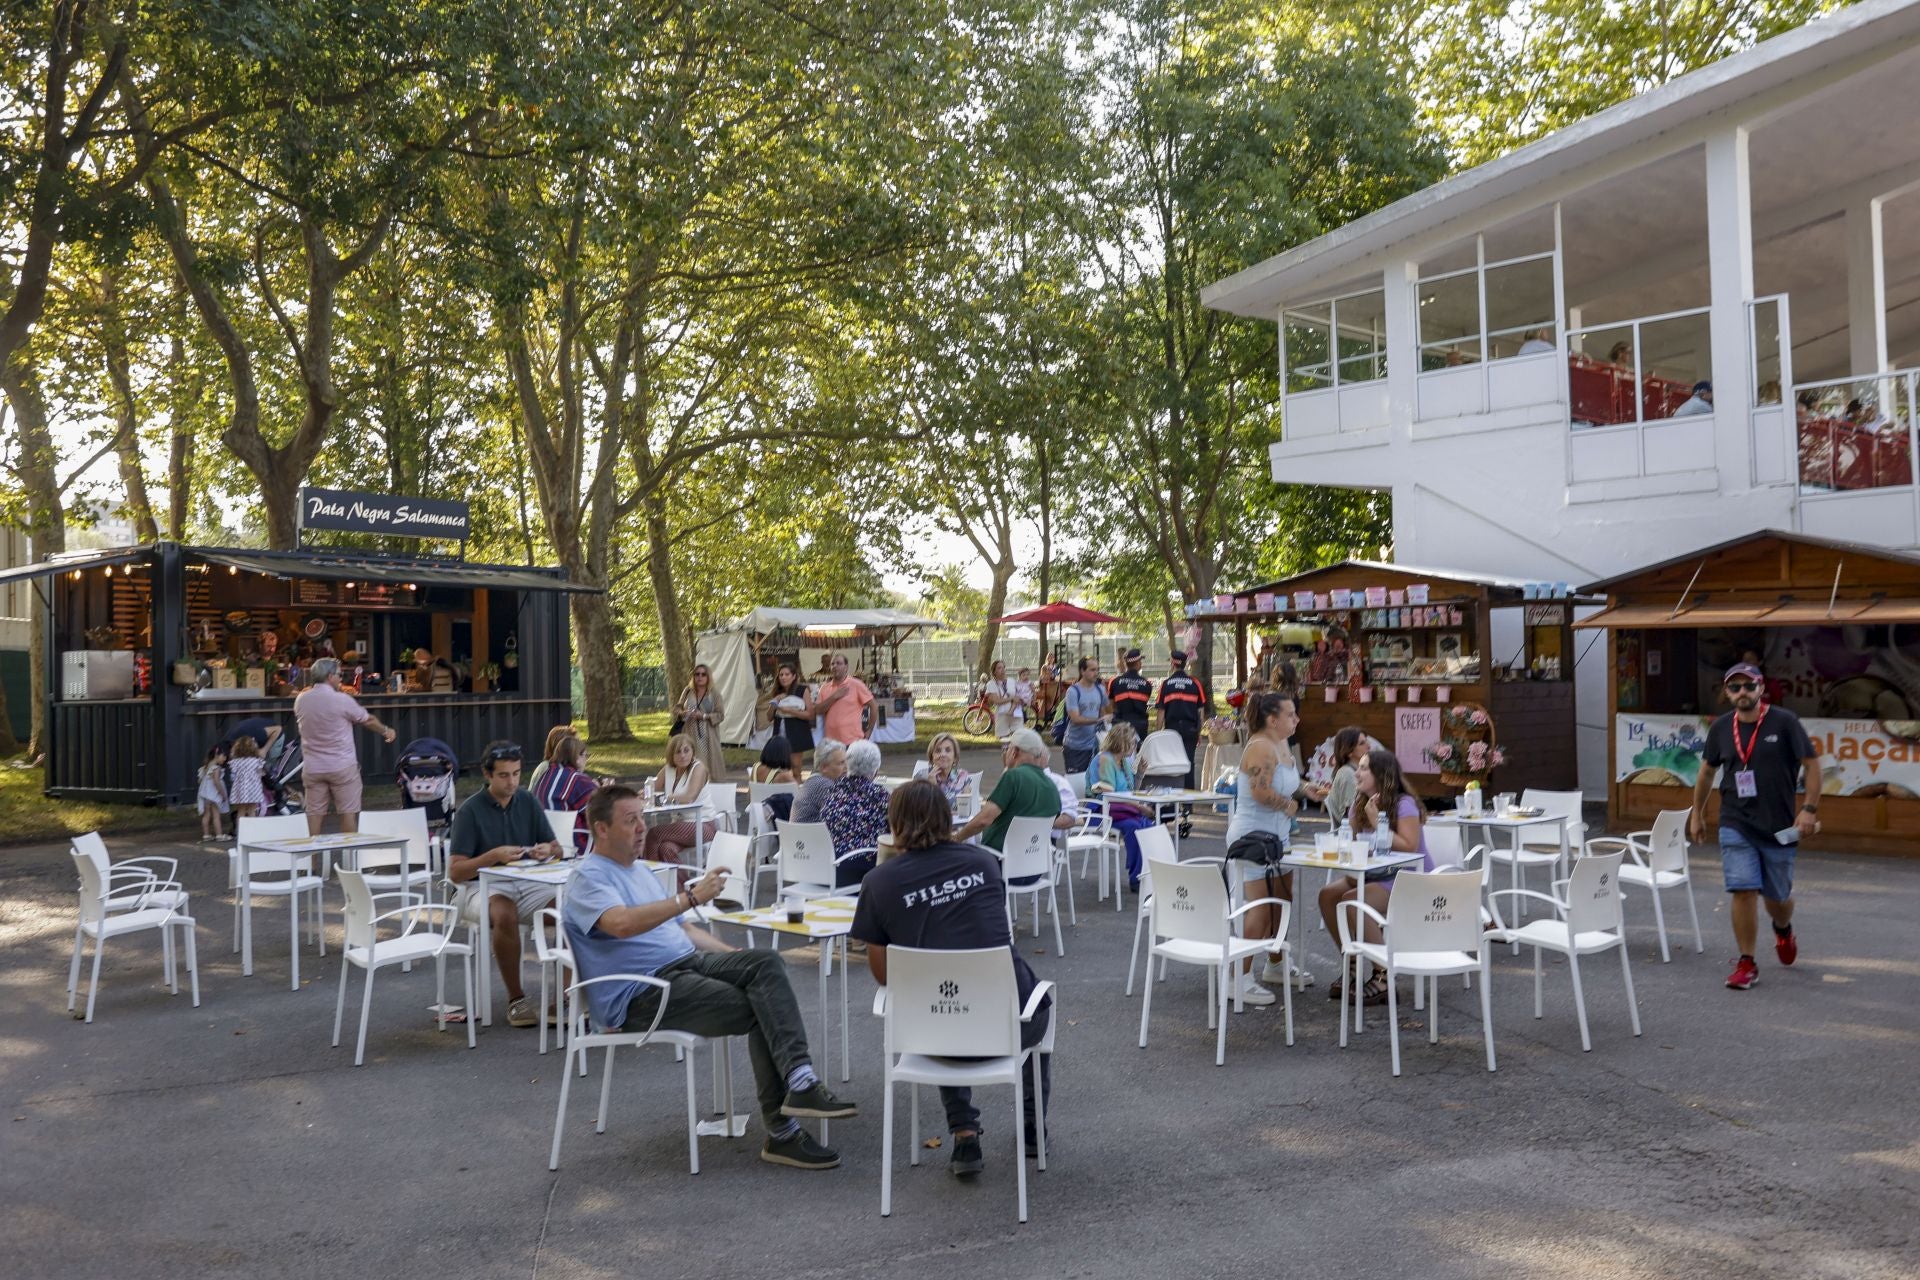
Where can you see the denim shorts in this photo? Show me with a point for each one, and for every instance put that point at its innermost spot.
(1748, 866)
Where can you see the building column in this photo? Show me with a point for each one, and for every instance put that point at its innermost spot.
(1730, 261)
(1866, 289)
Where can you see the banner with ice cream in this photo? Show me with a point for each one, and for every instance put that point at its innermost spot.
(1857, 757)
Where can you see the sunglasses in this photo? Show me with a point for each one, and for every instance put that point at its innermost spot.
(496, 754)
(1741, 686)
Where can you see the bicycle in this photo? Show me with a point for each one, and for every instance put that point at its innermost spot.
(977, 719)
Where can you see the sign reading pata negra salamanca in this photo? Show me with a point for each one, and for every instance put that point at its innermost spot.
(349, 512)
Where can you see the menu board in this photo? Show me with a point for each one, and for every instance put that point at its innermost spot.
(377, 593)
(315, 591)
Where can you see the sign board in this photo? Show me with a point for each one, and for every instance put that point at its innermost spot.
(1415, 729)
(346, 511)
(1857, 757)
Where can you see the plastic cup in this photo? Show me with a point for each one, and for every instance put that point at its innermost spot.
(796, 909)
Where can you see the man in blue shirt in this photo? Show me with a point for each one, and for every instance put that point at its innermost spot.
(1087, 705)
(619, 920)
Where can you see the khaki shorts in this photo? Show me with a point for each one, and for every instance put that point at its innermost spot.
(528, 899)
(335, 792)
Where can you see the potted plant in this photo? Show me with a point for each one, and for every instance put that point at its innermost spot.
(1466, 751)
(486, 677)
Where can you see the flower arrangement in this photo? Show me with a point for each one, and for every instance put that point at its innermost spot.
(1466, 751)
(1222, 729)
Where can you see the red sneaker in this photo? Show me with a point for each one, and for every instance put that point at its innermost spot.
(1786, 946)
(1744, 974)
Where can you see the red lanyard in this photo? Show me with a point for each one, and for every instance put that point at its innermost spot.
(1746, 753)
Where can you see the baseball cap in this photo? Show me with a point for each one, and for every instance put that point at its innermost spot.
(1702, 385)
(1178, 655)
(1743, 669)
(1132, 655)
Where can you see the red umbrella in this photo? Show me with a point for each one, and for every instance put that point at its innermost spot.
(1058, 611)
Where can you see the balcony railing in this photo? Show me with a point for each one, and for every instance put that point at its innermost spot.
(1856, 433)
(1636, 371)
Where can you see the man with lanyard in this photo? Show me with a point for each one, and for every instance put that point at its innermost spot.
(1763, 750)
(1130, 692)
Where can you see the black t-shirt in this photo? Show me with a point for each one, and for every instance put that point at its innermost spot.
(254, 727)
(947, 897)
(1184, 702)
(1778, 743)
(1130, 692)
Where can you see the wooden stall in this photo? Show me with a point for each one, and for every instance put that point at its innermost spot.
(1392, 648)
(156, 652)
(1836, 628)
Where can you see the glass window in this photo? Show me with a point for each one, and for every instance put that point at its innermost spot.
(1601, 377)
(1464, 256)
(1360, 325)
(1766, 352)
(1520, 308)
(1450, 321)
(1309, 359)
(1675, 356)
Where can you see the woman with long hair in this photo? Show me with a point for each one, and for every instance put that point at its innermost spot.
(681, 780)
(1382, 789)
(555, 736)
(775, 765)
(1260, 825)
(790, 711)
(1114, 770)
(566, 785)
(701, 712)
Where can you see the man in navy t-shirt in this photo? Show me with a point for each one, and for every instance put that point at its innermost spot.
(938, 895)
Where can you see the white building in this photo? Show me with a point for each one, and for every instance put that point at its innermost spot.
(1508, 351)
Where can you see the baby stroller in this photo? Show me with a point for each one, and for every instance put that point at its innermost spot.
(427, 767)
(282, 777)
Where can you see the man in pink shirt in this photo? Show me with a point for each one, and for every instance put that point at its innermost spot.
(331, 767)
(841, 701)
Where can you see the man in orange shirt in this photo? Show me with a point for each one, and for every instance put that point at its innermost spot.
(842, 700)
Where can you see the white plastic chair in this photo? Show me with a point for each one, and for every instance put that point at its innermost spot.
(1193, 924)
(128, 883)
(273, 874)
(582, 1037)
(1540, 846)
(953, 1018)
(366, 949)
(1588, 920)
(408, 870)
(1432, 929)
(807, 862)
(1156, 845)
(1163, 755)
(286, 826)
(563, 823)
(1029, 852)
(100, 922)
(719, 799)
(733, 854)
(1096, 838)
(555, 959)
(1658, 860)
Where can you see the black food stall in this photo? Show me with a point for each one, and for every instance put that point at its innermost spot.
(156, 653)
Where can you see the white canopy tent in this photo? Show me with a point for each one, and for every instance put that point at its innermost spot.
(732, 652)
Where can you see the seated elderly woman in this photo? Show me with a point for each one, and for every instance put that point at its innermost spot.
(829, 766)
(856, 811)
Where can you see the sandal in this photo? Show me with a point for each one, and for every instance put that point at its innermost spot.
(1374, 992)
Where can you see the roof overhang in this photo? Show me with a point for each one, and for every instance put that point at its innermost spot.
(1734, 88)
(433, 573)
(77, 561)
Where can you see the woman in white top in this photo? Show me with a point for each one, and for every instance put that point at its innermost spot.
(1000, 698)
(682, 780)
(1268, 795)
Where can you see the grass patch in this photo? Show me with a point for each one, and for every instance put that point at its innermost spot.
(646, 752)
(28, 816)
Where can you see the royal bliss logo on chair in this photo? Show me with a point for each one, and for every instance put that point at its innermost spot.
(1180, 902)
(1439, 914)
(949, 1001)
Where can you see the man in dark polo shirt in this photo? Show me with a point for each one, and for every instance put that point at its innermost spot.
(937, 894)
(1130, 693)
(1760, 752)
(495, 826)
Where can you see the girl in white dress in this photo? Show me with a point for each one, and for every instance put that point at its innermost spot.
(213, 795)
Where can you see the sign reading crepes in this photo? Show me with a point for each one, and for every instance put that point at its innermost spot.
(345, 511)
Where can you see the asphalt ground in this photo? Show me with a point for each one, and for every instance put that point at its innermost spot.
(1766, 1133)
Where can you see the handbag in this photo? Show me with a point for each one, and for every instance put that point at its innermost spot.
(1258, 846)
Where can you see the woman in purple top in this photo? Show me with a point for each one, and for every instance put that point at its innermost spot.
(566, 785)
(1383, 788)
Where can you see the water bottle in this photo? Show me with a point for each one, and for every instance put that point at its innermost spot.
(1382, 838)
(1346, 830)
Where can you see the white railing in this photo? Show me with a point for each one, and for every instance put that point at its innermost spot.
(1855, 433)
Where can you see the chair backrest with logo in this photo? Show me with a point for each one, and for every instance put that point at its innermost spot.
(806, 853)
(1567, 804)
(952, 1003)
(1189, 902)
(1667, 851)
(1029, 848)
(359, 907)
(733, 854)
(1434, 911)
(1593, 894)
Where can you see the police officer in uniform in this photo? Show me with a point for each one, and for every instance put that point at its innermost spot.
(1130, 693)
(1183, 706)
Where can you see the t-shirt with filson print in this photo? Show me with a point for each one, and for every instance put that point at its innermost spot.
(946, 897)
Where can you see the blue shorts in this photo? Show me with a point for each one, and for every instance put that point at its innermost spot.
(1749, 866)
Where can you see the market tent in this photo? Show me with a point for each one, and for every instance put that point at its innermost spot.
(828, 621)
(730, 652)
(730, 658)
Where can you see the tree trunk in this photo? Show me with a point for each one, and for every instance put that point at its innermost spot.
(126, 413)
(46, 514)
(593, 636)
(1003, 568)
(675, 652)
(1043, 456)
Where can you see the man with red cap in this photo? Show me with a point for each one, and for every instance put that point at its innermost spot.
(1760, 752)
